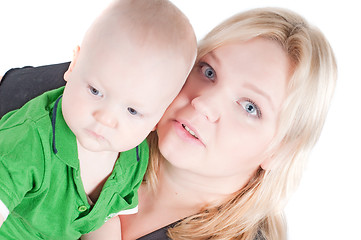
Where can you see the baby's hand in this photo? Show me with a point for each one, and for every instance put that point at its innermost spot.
(2, 219)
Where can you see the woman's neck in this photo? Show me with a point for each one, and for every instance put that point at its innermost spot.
(184, 188)
(171, 202)
(196, 189)
(179, 194)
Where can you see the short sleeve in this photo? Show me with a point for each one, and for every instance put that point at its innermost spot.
(21, 163)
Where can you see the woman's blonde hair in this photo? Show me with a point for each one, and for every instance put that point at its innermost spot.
(256, 211)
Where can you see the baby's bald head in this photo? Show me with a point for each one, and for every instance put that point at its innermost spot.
(155, 25)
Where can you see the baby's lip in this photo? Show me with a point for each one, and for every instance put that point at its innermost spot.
(95, 134)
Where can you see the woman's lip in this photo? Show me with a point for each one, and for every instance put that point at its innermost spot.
(185, 135)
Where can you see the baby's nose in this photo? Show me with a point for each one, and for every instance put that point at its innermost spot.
(106, 118)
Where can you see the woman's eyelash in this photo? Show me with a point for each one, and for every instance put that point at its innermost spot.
(251, 108)
(207, 71)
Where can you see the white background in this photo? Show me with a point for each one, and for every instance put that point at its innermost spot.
(327, 204)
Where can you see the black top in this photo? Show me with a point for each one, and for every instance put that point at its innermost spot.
(19, 85)
(160, 234)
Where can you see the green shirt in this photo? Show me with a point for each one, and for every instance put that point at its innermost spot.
(43, 190)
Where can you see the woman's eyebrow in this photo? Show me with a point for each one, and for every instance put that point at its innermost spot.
(215, 58)
(260, 92)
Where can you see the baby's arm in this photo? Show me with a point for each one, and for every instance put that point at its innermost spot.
(18, 159)
(110, 231)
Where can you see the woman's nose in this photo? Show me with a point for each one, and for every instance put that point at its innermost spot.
(106, 118)
(207, 106)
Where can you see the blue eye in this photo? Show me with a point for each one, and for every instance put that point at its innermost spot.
(208, 71)
(251, 108)
(132, 111)
(95, 91)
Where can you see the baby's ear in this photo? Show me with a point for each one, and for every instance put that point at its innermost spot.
(72, 64)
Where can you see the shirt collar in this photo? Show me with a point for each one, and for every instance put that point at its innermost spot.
(64, 140)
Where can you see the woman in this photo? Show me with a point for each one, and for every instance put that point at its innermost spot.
(234, 142)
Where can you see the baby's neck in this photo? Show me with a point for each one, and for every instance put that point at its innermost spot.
(95, 168)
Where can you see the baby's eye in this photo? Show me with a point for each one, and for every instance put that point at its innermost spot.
(251, 108)
(95, 91)
(208, 71)
(132, 111)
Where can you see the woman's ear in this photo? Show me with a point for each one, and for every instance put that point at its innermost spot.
(268, 163)
(155, 127)
(73, 62)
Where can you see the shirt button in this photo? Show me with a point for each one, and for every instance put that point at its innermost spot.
(82, 208)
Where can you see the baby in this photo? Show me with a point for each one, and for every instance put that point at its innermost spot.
(75, 156)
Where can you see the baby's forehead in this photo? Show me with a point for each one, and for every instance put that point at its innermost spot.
(147, 101)
(152, 87)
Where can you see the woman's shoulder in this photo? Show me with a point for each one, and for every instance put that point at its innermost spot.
(19, 85)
